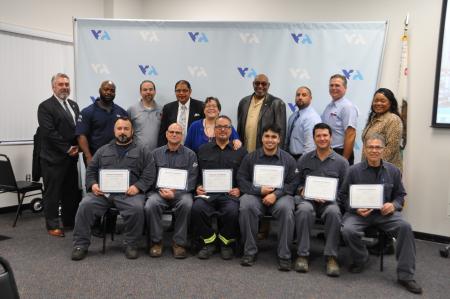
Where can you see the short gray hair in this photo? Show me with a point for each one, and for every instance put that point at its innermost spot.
(59, 75)
(375, 136)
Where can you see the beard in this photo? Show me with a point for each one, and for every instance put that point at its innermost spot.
(123, 139)
(107, 99)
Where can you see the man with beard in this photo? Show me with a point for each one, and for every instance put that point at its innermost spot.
(121, 153)
(146, 116)
(299, 138)
(95, 125)
(59, 155)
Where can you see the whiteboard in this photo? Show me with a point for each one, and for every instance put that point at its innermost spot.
(28, 61)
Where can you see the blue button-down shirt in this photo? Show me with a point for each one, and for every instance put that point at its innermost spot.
(300, 129)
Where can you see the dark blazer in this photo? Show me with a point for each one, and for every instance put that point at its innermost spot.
(170, 113)
(57, 130)
(273, 110)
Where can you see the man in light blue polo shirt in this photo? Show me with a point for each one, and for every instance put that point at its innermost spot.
(299, 138)
(146, 116)
(342, 116)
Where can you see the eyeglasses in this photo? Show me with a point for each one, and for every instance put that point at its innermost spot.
(374, 148)
(211, 107)
(181, 90)
(175, 132)
(262, 83)
(222, 127)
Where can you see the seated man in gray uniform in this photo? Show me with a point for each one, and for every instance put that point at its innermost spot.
(321, 162)
(268, 178)
(388, 218)
(169, 158)
(121, 153)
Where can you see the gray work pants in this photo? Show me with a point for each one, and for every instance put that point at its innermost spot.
(305, 216)
(353, 227)
(130, 207)
(251, 209)
(154, 208)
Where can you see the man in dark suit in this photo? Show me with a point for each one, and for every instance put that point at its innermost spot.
(257, 111)
(183, 111)
(59, 155)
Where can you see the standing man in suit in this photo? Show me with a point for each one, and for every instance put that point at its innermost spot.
(59, 155)
(257, 111)
(183, 111)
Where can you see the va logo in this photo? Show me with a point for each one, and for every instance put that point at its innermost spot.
(292, 106)
(197, 71)
(247, 72)
(148, 70)
(301, 38)
(198, 37)
(149, 36)
(355, 39)
(249, 38)
(299, 73)
(352, 74)
(100, 34)
(100, 68)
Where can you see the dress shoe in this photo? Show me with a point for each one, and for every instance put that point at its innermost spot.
(156, 250)
(301, 264)
(179, 252)
(131, 252)
(226, 252)
(56, 232)
(411, 285)
(358, 267)
(332, 267)
(284, 264)
(206, 252)
(78, 253)
(248, 260)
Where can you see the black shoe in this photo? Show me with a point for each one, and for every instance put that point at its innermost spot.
(411, 285)
(248, 260)
(358, 267)
(131, 252)
(226, 252)
(78, 253)
(206, 252)
(284, 264)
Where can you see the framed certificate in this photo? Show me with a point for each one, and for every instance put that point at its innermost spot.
(366, 196)
(268, 175)
(217, 180)
(114, 180)
(317, 187)
(172, 178)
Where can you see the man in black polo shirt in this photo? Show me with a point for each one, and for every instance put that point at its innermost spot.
(218, 155)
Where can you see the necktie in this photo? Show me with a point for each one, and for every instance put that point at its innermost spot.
(288, 139)
(68, 112)
(183, 119)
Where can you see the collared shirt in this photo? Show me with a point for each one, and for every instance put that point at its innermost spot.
(182, 158)
(97, 124)
(388, 175)
(187, 104)
(68, 106)
(211, 156)
(146, 122)
(340, 115)
(301, 131)
(251, 125)
(282, 158)
(333, 166)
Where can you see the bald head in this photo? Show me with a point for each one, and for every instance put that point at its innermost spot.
(174, 135)
(107, 91)
(261, 86)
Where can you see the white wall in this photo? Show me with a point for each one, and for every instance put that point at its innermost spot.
(427, 162)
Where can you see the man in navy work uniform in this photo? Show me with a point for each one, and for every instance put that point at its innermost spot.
(321, 162)
(121, 153)
(388, 218)
(218, 155)
(174, 155)
(257, 200)
(95, 126)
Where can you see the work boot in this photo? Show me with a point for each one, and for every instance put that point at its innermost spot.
(332, 267)
(206, 252)
(301, 264)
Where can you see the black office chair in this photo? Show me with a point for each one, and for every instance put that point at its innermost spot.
(444, 252)
(8, 287)
(381, 237)
(8, 183)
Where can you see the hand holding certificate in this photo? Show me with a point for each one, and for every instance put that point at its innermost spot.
(268, 175)
(366, 196)
(114, 180)
(171, 178)
(321, 188)
(217, 180)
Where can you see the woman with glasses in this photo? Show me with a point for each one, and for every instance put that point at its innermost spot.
(202, 131)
